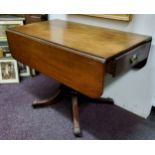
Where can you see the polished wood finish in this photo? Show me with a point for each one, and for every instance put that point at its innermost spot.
(61, 93)
(77, 55)
(76, 117)
(75, 71)
(128, 60)
(49, 101)
(99, 42)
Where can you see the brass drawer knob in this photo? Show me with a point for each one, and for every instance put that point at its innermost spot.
(133, 59)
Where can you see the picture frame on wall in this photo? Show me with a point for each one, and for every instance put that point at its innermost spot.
(24, 70)
(8, 71)
(120, 17)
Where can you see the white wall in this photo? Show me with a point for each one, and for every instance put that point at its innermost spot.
(134, 91)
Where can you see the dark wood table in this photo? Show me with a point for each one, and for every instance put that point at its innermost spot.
(77, 55)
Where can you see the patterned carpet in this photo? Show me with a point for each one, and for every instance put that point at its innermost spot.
(18, 120)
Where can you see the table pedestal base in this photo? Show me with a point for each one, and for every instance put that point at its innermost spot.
(57, 96)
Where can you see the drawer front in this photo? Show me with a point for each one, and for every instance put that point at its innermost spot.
(125, 62)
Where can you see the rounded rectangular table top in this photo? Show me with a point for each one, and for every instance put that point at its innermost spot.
(92, 40)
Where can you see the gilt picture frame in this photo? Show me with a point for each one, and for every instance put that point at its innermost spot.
(120, 17)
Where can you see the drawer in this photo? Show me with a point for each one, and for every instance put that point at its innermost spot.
(122, 63)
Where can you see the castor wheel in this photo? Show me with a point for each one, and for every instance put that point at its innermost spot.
(76, 119)
(77, 132)
(109, 100)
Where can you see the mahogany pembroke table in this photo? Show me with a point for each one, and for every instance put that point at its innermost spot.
(78, 56)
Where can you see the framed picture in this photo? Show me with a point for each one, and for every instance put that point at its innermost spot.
(6, 22)
(121, 17)
(23, 70)
(8, 71)
(3, 48)
(4, 25)
(1, 52)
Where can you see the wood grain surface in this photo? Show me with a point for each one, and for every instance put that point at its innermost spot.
(97, 41)
(76, 55)
(75, 71)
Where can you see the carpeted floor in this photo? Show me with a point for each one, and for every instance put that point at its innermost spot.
(18, 120)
